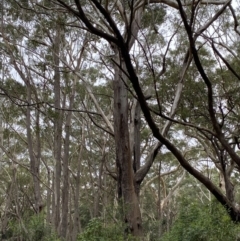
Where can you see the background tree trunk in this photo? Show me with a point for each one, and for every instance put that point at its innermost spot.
(57, 131)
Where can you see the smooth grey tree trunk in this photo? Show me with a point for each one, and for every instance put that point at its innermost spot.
(126, 190)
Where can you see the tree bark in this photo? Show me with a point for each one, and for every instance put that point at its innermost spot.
(76, 216)
(34, 161)
(57, 132)
(126, 189)
(65, 189)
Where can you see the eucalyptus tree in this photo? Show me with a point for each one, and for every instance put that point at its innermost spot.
(119, 23)
(130, 173)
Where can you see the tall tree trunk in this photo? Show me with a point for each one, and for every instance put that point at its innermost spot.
(135, 141)
(76, 216)
(34, 160)
(49, 195)
(126, 189)
(226, 167)
(159, 208)
(96, 208)
(65, 189)
(57, 132)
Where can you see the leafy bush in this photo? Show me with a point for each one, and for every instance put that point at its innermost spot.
(33, 228)
(96, 231)
(199, 222)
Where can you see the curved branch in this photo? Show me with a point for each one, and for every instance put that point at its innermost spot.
(225, 61)
(234, 213)
(172, 191)
(208, 83)
(157, 176)
(174, 4)
(81, 15)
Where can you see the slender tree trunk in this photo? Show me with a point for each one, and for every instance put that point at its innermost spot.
(57, 132)
(159, 207)
(48, 201)
(226, 185)
(76, 217)
(96, 208)
(65, 189)
(8, 202)
(135, 141)
(34, 160)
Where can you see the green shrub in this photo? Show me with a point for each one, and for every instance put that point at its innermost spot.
(96, 231)
(199, 222)
(33, 228)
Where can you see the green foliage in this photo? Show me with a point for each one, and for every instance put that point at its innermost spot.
(153, 15)
(97, 231)
(85, 215)
(202, 222)
(33, 228)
